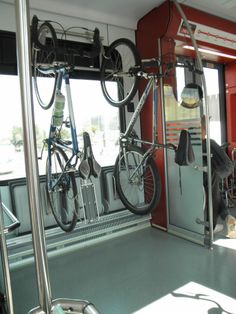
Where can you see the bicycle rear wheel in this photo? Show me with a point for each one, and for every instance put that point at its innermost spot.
(138, 184)
(43, 56)
(120, 57)
(61, 190)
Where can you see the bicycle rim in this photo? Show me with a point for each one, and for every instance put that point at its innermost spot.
(44, 80)
(61, 191)
(139, 189)
(120, 57)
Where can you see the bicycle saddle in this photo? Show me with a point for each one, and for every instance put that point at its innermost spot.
(88, 165)
(184, 154)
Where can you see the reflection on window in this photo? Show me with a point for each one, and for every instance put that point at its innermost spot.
(173, 109)
(92, 114)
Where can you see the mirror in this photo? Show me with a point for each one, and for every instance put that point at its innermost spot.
(191, 96)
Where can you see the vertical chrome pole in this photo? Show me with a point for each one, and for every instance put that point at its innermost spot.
(5, 263)
(31, 164)
(162, 100)
(199, 60)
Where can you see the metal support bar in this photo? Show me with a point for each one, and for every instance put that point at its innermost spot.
(87, 34)
(161, 82)
(30, 151)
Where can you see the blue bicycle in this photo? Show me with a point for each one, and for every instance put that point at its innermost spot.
(65, 159)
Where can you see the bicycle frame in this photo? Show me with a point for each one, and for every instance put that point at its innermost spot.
(151, 85)
(53, 139)
(126, 136)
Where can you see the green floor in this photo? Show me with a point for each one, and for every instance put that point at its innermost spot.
(147, 269)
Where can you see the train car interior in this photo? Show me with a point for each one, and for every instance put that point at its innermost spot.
(118, 157)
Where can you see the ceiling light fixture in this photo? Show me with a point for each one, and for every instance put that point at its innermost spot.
(220, 54)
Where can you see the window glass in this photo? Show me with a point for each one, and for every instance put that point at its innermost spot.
(92, 114)
(212, 84)
(173, 109)
(11, 139)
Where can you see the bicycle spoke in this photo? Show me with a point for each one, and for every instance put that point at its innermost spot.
(120, 57)
(138, 181)
(62, 195)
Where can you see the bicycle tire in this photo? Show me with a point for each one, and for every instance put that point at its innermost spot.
(142, 193)
(43, 55)
(119, 58)
(63, 198)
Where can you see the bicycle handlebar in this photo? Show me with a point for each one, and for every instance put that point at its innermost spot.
(156, 63)
(150, 63)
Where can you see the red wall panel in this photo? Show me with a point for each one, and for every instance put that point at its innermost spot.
(163, 22)
(230, 74)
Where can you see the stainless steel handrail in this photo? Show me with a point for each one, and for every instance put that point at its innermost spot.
(30, 152)
(200, 67)
(46, 305)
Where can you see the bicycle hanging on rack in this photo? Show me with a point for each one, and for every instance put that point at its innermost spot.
(55, 61)
(48, 51)
(136, 174)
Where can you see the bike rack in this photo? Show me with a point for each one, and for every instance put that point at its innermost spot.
(89, 201)
(46, 304)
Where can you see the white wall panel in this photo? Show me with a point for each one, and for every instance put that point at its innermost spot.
(115, 32)
(108, 32)
(7, 17)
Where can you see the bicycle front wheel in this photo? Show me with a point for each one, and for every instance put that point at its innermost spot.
(43, 56)
(61, 190)
(120, 57)
(138, 181)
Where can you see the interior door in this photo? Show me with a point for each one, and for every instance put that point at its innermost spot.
(186, 197)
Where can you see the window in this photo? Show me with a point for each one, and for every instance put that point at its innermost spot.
(212, 84)
(215, 98)
(92, 114)
(11, 140)
(173, 109)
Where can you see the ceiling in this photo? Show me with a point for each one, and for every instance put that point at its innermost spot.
(127, 12)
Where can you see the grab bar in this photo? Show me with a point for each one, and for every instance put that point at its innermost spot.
(7, 215)
(14, 223)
